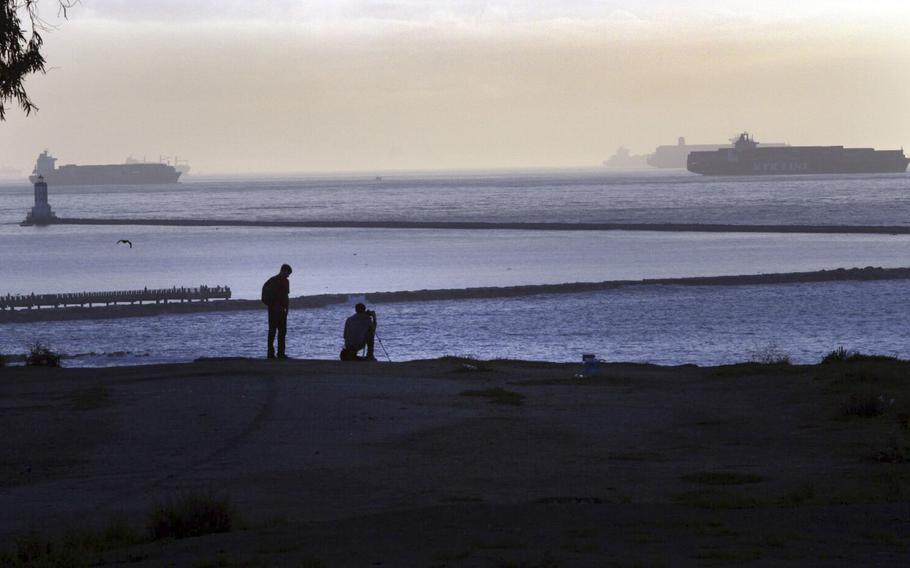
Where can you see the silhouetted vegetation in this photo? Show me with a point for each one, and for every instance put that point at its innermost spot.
(20, 50)
(498, 395)
(40, 355)
(769, 354)
(2, 360)
(194, 514)
(842, 355)
(75, 548)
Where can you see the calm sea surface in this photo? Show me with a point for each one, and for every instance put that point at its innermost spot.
(659, 324)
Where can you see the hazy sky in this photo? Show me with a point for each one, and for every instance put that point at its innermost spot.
(312, 86)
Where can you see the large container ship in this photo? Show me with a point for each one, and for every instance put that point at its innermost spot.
(109, 174)
(623, 159)
(668, 156)
(746, 158)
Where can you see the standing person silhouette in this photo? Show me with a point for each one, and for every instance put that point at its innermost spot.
(276, 296)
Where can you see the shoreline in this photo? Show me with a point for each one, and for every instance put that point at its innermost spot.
(866, 274)
(475, 226)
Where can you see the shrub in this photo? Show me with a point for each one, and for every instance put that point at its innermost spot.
(837, 356)
(842, 355)
(40, 355)
(75, 548)
(770, 354)
(194, 514)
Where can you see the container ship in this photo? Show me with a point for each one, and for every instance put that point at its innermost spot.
(746, 158)
(623, 159)
(668, 156)
(110, 174)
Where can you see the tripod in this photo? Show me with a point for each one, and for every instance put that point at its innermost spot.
(377, 338)
(381, 344)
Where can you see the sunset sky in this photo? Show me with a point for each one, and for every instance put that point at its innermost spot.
(356, 85)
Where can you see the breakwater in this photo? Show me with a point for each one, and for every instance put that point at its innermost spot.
(519, 226)
(113, 298)
(145, 310)
(322, 300)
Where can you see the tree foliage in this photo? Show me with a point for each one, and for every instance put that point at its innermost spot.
(20, 49)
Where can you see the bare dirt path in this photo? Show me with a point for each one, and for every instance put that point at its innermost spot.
(749, 463)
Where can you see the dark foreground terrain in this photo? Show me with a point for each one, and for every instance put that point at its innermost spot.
(455, 463)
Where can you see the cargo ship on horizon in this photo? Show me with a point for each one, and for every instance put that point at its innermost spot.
(130, 173)
(676, 156)
(667, 156)
(623, 159)
(746, 158)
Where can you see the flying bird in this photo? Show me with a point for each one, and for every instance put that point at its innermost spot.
(126, 242)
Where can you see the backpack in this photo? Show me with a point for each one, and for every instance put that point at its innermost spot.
(268, 292)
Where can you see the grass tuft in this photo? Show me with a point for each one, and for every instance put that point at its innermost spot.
(74, 549)
(842, 355)
(194, 514)
(497, 395)
(769, 354)
(40, 355)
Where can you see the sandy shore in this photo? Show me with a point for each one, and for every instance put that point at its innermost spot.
(305, 302)
(394, 465)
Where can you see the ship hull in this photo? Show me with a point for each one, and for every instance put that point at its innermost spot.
(797, 160)
(674, 157)
(117, 174)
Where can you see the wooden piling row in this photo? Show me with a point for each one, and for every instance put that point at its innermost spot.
(156, 296)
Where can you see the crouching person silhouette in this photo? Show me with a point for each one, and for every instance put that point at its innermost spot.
(275, 295)
(359, 332)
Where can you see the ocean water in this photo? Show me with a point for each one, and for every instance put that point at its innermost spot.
(657, 324)
(77, 258)
(652, 323)
(561, 196)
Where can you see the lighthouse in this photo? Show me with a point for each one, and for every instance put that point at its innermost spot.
(41, 213)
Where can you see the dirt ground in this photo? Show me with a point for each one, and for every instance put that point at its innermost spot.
(453, 462)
